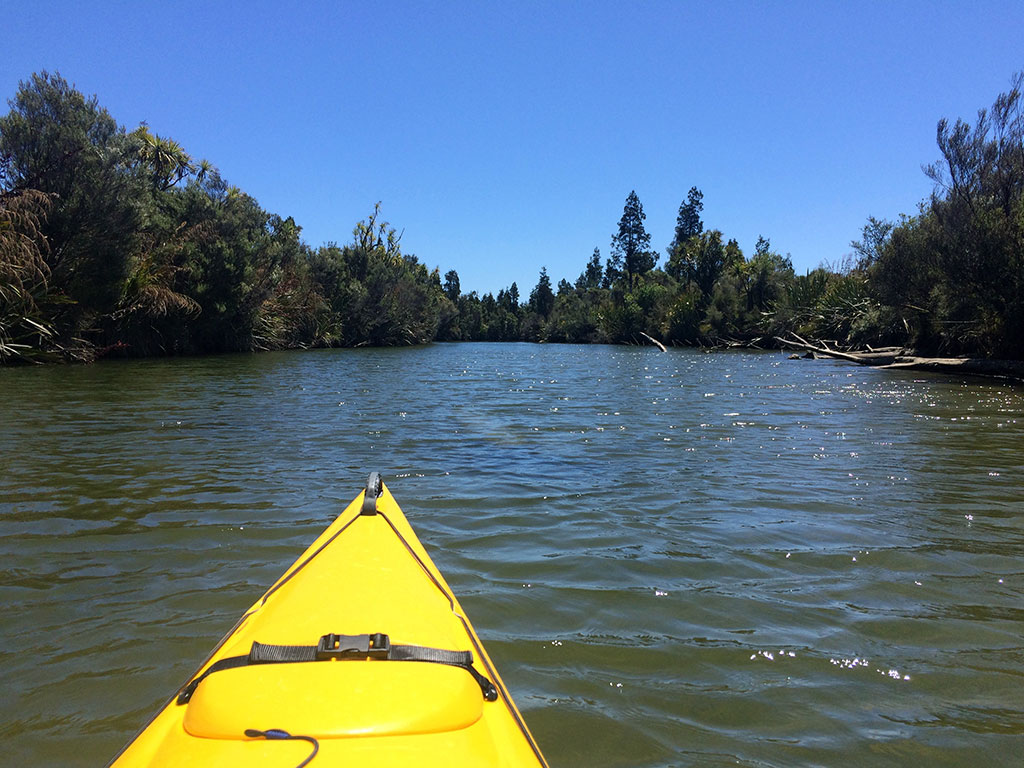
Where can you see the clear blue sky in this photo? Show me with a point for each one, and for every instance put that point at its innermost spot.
(503, 137)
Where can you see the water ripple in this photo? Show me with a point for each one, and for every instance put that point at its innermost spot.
(675, 559)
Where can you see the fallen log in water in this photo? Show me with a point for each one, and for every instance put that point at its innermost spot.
(899, 358)
(722, 343)
(1003, 369)
(653, 341)
(863, 358)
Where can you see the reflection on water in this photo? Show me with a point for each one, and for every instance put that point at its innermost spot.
(675, 559)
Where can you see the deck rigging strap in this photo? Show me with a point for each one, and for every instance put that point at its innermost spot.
(344, 647)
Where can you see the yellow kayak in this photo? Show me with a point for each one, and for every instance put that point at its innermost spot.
(358, 655)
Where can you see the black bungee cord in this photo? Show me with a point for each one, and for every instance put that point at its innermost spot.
(276, 734)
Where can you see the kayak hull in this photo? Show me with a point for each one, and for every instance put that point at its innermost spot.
(366, 573)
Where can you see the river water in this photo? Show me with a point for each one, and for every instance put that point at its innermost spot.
(673, 558)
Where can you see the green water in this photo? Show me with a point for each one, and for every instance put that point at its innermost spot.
(673, 558)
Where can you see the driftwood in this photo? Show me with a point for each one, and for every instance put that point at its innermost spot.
(720, 343)
(900, 358)
(653, 341)
(1001, 369)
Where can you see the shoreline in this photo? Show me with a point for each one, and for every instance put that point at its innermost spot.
(888, 358)
(902, 358)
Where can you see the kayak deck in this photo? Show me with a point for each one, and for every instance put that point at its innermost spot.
(366, 573)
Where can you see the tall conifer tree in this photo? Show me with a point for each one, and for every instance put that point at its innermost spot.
(631, 244)
(688, 223)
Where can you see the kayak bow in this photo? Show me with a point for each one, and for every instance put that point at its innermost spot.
(358, 655)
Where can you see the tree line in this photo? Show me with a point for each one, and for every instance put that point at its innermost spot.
(117, 242)
(120, 243)
(946, 281)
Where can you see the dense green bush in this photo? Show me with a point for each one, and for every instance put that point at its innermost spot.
(117, 243)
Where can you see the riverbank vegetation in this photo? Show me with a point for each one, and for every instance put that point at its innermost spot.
(117, 242)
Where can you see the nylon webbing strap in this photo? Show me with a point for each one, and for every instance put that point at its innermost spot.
(436, 655)
(355, 647)
(463, 659)
(229, 663)
(262, 653)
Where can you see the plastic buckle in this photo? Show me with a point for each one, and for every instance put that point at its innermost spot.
(332, 646)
